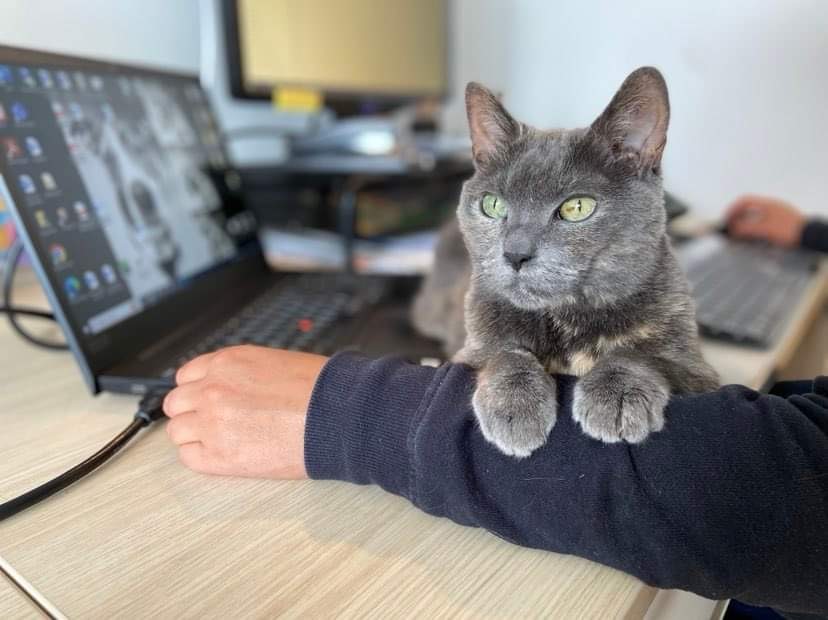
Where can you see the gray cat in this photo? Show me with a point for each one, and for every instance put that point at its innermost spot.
(567, 268)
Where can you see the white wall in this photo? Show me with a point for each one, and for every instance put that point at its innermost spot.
(747, 78)
(163, 33)
(475, 54)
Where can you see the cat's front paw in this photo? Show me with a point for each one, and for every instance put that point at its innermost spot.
(516, 411)
(621, 403)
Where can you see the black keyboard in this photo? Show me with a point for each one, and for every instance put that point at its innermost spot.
(300, 313)
(744, 292)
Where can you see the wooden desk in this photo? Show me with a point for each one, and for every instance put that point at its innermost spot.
(144, 537)
(14, 605)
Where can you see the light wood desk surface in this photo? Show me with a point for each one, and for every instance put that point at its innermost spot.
(144, 537)
(14, 605)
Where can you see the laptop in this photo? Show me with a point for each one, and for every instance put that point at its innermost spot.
(106, 169)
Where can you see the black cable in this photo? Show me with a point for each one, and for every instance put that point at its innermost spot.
(13, 259)
(30, 312)
(149, 410)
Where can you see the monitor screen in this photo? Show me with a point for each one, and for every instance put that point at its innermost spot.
(359, 48)
(108, 174)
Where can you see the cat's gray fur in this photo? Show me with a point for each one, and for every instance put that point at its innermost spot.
(603, 299)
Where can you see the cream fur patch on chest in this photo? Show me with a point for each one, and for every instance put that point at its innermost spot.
(581, 363)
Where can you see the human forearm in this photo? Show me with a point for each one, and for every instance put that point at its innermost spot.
(815, 236)
(724, 502)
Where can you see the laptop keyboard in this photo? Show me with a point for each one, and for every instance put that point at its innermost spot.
(299, 314)
(744, 292)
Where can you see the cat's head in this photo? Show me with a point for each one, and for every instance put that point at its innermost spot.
(554, 217)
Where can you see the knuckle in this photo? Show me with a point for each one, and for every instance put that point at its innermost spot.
(170, 428)
(227, 355)
(221, 358)
(176, 431)
(213, 393)
(187, 369)
(169, 401)
(179, 376)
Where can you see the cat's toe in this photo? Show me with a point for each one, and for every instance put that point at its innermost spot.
(516, 420)
(625, 408)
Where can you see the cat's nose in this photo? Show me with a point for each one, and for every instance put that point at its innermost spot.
(517, 259)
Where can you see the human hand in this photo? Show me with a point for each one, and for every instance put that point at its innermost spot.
(761, 217)
(241, 412)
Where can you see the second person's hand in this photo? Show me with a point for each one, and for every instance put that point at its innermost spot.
(765, 218)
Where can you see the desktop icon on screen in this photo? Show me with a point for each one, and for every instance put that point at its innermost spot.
(108, 273)
(57, 108)
(64, 80)
(81, 211)
(26, 77)
(62, 216)
(91, 279)
(72, 286)
(45, 78)
(80, 80)
(12, 149)
(42, 220)
(19, 112)
(48, 180)
(5, 75)
(3, 117)
(33, 146)
(58, 254)
(75, 111)
(27, 185)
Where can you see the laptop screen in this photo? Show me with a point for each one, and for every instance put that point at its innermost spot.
(108, 174)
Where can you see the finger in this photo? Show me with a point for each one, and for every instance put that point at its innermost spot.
(185, 429)
(193, 455)
(194, 370)
(183, 399)
(748, 228)
(743, 208)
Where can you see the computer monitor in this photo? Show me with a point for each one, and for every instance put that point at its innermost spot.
(363, 56)
(107, 171)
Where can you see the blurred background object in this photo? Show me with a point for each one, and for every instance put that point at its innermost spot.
(746, 81)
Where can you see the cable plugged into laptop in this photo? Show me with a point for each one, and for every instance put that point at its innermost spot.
(149, 411)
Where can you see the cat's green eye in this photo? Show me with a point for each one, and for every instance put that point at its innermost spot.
(493, 206)
(577, 209)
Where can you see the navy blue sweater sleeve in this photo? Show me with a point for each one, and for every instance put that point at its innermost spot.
(730, 500)
(815, 236)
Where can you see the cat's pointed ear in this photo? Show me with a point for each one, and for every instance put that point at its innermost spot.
(490, 125)
(634, 125)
